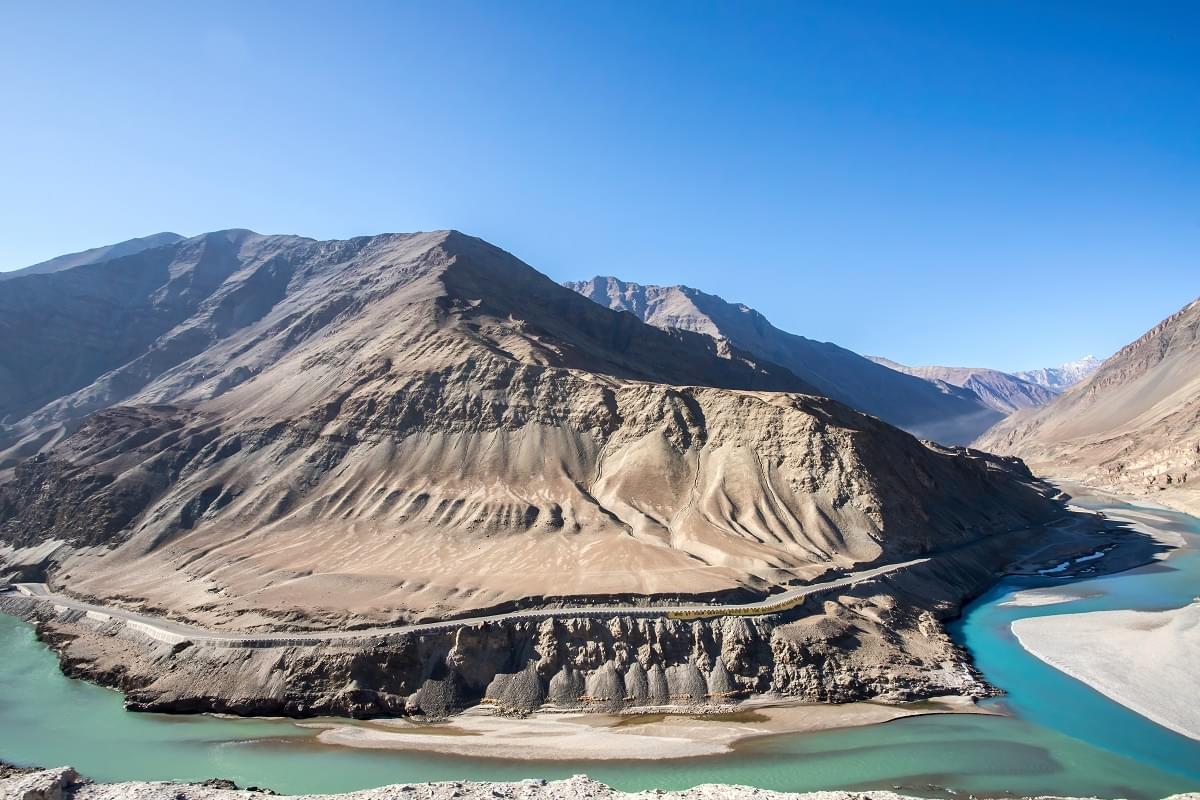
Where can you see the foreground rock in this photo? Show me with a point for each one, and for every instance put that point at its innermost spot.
(65, 784)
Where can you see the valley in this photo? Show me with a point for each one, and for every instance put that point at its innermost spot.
(599, 401)
(409, 478)
(1046, 735)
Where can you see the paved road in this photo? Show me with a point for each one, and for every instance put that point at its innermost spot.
(173, 632)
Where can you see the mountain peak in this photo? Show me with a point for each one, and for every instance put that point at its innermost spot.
(945, 413)
(95, 255)
(1063, 376)
(999, 390)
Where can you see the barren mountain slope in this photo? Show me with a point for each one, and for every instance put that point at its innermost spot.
(943, 412)
(199, 317)
(84, 337)
(1134, 425)
(418, 425)
(999, 390)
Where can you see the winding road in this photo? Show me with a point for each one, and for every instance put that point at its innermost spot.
(176, 633)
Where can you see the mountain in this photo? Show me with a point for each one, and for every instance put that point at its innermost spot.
(1133, 425)
(173, 322)
(1064, 376)
(944, 413)
(94, 256)
(241, 429)
(999, 390)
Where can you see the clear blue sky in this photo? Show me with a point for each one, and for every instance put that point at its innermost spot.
(980, 183)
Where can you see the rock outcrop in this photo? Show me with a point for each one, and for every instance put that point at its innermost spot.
(64, 783)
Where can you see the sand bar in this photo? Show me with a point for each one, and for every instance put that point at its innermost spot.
(1144, 660)
(549, 735)
(1030, 598)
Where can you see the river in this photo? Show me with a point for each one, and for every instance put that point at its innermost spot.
(1058, 735)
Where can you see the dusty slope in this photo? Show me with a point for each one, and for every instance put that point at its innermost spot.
(943, 412)
(421, 424)
(1133, 426)
(998, 390)
(192, 320)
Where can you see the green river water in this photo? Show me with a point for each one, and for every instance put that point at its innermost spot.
(1059, 736)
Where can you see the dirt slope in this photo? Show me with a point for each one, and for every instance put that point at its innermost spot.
(1134, 425)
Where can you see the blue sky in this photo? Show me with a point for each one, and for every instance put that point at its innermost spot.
(985, 183)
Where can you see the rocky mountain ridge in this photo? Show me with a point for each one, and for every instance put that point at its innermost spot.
(1064, 376)
(94, 255)
(1132, 426)
(998, 390)
(941, 412)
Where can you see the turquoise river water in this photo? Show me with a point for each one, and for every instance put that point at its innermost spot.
(1058, 737)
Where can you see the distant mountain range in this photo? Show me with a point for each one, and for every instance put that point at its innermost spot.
(1132, 425)
(932, 410)
(954, 405)
(1064, 376)
(998, 390)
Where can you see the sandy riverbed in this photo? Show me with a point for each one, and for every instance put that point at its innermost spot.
(1144, 660)
(549, 735)
(1030, 598)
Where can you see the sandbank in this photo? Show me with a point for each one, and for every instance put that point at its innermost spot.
(551, 735)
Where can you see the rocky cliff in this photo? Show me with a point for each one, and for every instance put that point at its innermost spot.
(879, 640)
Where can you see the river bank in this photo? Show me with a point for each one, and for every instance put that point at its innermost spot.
(47, 718)
(1056, 736)
(1144, 660)
(558, 736)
